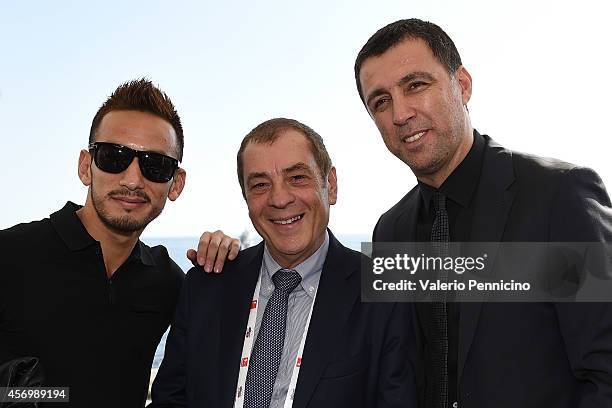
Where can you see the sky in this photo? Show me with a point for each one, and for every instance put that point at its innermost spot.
(540, 73)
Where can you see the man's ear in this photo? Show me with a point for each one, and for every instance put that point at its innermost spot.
(84, 167)
(178, 183)
(465, 83)
(332, 186)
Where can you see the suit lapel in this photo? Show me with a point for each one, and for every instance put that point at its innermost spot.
(237, 295)
(337, 293)
(493, 200)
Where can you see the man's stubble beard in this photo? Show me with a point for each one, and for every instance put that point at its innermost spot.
(444, 149)
(125, 224)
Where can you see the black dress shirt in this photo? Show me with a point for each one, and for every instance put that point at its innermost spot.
(459, 190)
(93, 334)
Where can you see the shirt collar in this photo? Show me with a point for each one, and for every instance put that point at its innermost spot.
(72, 231)
(461, 184)
(310, 270)
(70, 228)
(143, 254)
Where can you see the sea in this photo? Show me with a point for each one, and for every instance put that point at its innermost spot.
(177, 247)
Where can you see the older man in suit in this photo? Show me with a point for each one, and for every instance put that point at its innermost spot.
(411, 79)
(284, 325)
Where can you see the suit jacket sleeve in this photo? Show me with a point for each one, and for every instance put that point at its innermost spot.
(397, 380)
(581, 213)
(169, 387)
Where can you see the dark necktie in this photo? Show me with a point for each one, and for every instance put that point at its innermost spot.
(440, 238)
(268, 348)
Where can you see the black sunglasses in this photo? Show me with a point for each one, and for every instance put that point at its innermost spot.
(115, 158)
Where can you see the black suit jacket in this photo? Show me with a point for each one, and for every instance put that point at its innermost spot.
(356, 354)
(526, 354)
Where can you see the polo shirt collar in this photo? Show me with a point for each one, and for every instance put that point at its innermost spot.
(142, 253)
(72, 231)
(70, 228)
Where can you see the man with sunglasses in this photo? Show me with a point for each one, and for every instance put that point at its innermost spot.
(79, 290)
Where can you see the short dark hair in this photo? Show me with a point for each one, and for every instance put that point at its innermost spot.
(141, 95)
(441, 45)
(270, 130)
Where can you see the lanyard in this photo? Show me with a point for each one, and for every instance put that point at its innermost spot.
(247, 347)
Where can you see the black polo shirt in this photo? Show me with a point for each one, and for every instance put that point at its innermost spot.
(93, 334)
(459, 189)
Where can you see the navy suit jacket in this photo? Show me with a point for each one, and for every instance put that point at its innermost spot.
(356, 354)
(528, 355)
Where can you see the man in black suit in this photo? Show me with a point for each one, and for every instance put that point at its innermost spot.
(246, 337)
(411, 80)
